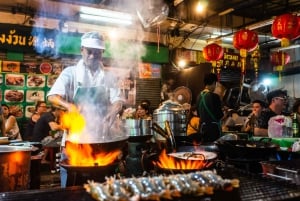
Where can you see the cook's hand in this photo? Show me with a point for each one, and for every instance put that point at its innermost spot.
(112, 113)
(72, 108)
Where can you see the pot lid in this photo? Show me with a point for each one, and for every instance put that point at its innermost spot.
(183, 95)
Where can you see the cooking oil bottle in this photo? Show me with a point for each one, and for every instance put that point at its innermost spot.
(295, 125)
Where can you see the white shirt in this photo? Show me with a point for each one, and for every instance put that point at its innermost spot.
(93, 105)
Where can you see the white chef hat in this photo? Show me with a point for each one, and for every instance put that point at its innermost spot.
(93, 40)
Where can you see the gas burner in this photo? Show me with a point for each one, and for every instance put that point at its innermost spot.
(78, 175)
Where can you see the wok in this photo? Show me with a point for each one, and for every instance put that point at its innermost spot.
(247, 149)
(78, 175)
(101, 147)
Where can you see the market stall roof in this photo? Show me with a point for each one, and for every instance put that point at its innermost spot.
(175, 19)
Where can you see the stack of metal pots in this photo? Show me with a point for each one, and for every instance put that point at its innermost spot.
(175, 114)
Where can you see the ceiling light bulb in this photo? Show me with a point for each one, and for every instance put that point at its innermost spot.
(181, 63)
(200, 7)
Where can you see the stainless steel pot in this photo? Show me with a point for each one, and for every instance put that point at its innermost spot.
(175, 114)
(14, 168)
(138, 127)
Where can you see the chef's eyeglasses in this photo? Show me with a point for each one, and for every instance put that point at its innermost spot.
(90, 51)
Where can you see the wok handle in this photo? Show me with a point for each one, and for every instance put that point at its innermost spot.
(170, 135)
(159, 130)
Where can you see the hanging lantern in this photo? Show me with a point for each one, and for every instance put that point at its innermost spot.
(212, 53)
(286, 27)
(279, 59)
(245, 41)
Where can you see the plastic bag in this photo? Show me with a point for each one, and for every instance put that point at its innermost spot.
(279, 126)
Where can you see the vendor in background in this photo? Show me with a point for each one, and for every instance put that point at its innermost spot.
(166, 92)
(209, 108)
(277, 103)
(193, 124)
(296, 109)
(40, 108)
(11, 130)
(253, 120)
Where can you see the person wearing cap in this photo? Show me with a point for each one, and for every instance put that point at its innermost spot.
(276, 105)
(86, 87)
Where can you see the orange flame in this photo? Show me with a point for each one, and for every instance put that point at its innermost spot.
(169, 162)
(82, 155)
(74, 122)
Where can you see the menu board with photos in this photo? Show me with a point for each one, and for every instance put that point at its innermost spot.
(22, 87)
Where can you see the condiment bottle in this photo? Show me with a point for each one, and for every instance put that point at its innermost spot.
(295, 126)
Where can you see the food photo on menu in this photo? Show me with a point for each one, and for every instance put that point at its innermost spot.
(35, 95)
(14, 80)
(51, 79)
(36, 80)
(13, 95)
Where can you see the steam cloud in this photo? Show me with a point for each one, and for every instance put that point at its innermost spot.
(126, 53)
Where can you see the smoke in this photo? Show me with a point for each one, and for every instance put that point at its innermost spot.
(126, 48)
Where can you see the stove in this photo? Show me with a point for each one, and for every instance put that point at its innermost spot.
(138, 148)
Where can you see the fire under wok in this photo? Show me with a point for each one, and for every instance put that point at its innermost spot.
(179, 162)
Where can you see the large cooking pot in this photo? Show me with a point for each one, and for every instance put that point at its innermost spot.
(175, 114)
(138, 129)
(247, 149)
(14, 168)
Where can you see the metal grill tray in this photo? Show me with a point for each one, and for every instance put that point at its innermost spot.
(252, 187)
(288, 170)
(257, 187)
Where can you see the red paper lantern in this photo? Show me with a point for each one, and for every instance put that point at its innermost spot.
(285, 27)
(213, 52)
(245, 41)
(279, 59)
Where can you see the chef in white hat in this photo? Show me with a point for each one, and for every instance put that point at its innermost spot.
(92, 90)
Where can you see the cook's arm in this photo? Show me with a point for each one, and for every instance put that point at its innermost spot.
(113, 111)
(58, 100)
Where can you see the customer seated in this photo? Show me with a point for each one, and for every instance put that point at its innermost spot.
(11, 130)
